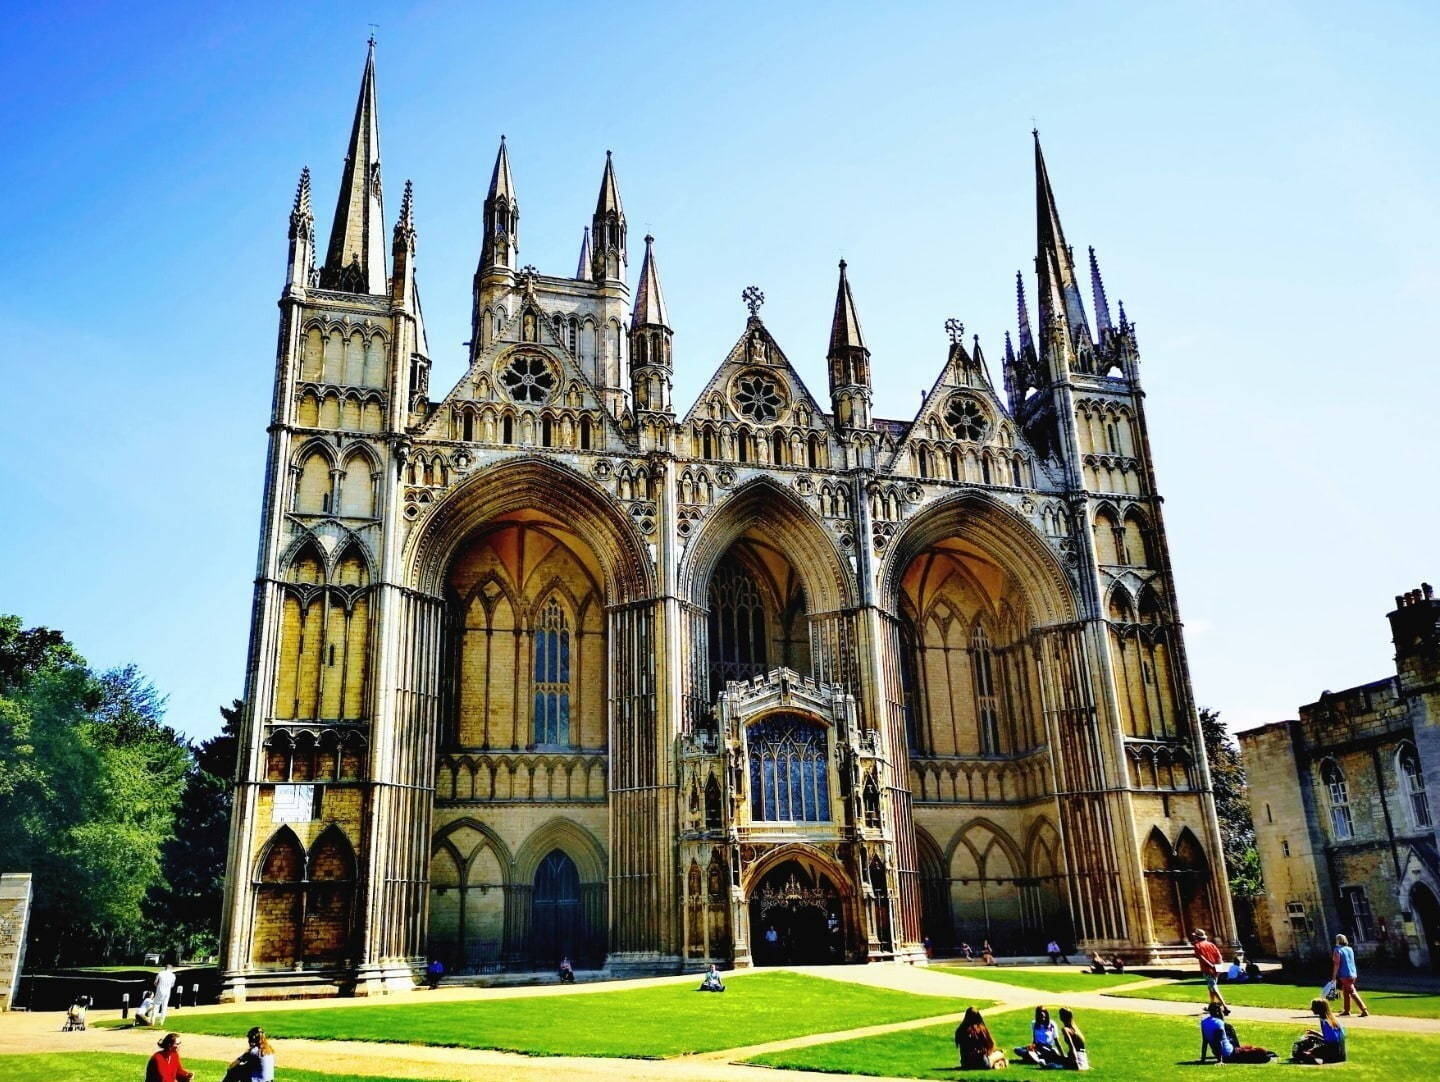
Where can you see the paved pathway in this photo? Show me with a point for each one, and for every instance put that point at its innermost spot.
(23, 1032)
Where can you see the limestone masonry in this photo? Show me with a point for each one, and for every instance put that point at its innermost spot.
(543, 668)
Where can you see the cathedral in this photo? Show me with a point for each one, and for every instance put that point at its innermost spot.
(543, 667)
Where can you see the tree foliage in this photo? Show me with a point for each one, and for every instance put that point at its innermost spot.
(1232, 806)
(89, 780)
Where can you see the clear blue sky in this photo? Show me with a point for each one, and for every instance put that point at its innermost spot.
(1258, 179)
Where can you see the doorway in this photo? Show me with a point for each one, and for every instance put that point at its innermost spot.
(796, 917)
(1427, 921)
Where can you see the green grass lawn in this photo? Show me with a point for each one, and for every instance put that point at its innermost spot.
(1296, 996)
(1059, 979)
(664, 1020)
(1124, 1047)
(105, 1066)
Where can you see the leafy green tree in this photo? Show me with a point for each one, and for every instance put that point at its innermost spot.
(189, 900)
(1232, 806)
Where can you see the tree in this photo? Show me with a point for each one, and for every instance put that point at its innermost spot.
(189, 900)
(1232, 807)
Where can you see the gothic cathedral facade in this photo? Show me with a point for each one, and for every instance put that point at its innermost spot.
(544, 668)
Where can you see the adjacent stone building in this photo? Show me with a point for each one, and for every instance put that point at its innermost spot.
(1352, 847)
(544, 667)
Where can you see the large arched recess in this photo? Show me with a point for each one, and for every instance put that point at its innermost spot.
(998, 534)
(762, 509)
(526, 485)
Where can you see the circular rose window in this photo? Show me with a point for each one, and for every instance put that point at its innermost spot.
(758, 397)
(966, 418)
(528, 378)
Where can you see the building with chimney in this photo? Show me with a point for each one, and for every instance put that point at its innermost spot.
(1342, 799)
(550, 665)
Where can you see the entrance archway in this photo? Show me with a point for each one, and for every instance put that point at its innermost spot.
(797, 916)
(556, 918)
(1427, 921)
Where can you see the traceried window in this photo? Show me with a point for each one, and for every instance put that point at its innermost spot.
(982, 664)
(552, 676)
(1412, 782)
(737, 626)
(1359, 906)
(529, 378)
(789, 775)
(1341, 823)
(758, 397)
(966, 418)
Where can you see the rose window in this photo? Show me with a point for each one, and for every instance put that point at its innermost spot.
(528, 378)
(966, 419)
(758, 397)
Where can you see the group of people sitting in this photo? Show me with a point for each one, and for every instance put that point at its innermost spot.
(255, 1064)
(1324, 1045)
(1097, 964)
(1056, 1047)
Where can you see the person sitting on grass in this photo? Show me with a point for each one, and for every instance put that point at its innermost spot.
(1218, 1038)
(987, 955)
(1044, 1047)
(256, 1063)
(975, 1046)
(164, 1065)
(1077, 1058)
(1097, 964)
(567, 971)
(712, 981)
(1252, 970)
(145, 1013)
(1325, 1045)
(1117, 964)
(1236, 973)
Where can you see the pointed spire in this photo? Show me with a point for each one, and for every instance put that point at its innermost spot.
(301, 268)
(502, 219)
(582, 270)
(1050, 241)
(845, 330)
(607, 229)
(1027, 339)
(1102, 307)
(406, 221)
(609, 198)
(977, 356)
(1012, 374)
(302, 206)
(649, 299)
(501, 183)
(355, 260)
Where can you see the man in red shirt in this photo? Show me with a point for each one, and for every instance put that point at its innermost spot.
(1209, 955)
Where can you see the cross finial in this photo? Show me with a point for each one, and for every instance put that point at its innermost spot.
(753, 299)
(955, 329)
(374, 27)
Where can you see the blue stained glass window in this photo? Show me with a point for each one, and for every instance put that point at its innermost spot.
(789, 775)
(551, 720)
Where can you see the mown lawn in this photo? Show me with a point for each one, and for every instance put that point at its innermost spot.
(1124, 1047)
(1060, 979)
(123, 1067)
(1296, 996)
(665, 1020)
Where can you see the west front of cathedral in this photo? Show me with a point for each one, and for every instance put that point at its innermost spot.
(543, 668)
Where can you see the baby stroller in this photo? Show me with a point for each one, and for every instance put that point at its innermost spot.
(75, 1016)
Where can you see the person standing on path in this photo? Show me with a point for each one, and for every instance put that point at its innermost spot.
(1209, 957)
(164, 985)
(1344, 973)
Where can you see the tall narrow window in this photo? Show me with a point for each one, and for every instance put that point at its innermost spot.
(1412, 781)
(789, 778)
(737, 626)
(1341, 823)
(552, 676)
(982, 664)
(1359, 906)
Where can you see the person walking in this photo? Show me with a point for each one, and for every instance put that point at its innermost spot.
(164, 985)
(1208, 954)
(1344, 973)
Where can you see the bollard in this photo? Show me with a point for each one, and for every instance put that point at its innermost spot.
(195, 995)
(125, 1006)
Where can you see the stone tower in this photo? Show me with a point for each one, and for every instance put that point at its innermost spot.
(541, 667)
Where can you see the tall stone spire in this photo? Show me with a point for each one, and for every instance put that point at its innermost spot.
(582, 269)
(849, 361)
(607, 229)
(1027, 338)
(1102, 306)
(1053, 257)
(502, 218)
(355, 260)
(302, 235)
(651, 361)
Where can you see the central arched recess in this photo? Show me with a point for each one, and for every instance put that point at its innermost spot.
(763, 578)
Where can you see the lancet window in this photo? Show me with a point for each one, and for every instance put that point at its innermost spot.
(789, 774)
(982, 665)
(737, 626)
(1412, 780)
(1338, 791)
(552, 676)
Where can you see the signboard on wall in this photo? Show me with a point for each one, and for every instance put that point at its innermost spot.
(14, 924)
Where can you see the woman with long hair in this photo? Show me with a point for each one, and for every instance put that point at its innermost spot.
(975, 1046)
(256, 1063)
(1325, 1045)
(1044, 1046)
